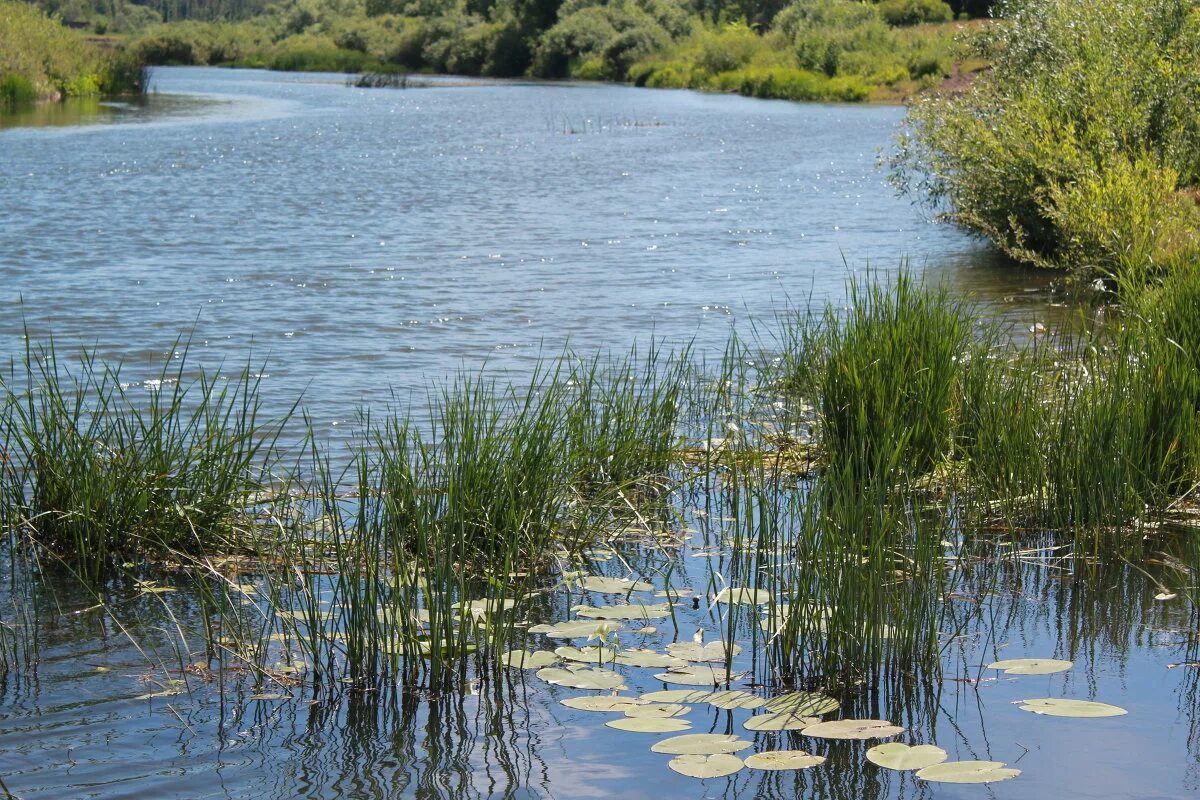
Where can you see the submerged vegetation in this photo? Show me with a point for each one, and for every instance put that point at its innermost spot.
(42, 60)
(1078, 149)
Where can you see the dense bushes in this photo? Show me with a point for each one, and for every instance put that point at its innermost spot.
(1081, 147)
(41, 59)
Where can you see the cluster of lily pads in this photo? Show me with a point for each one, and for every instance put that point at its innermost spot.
(705, 668)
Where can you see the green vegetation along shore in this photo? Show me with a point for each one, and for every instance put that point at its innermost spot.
(40, 60)
(844, 50)
(1080, 148)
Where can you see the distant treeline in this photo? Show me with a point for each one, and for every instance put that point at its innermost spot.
(796, 49)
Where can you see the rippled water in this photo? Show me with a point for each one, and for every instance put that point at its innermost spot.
(366, 242)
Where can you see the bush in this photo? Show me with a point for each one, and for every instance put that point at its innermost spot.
(1078, 148)
(914, 12)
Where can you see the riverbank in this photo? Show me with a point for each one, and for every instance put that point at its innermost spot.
(43, 61)
(826, 50)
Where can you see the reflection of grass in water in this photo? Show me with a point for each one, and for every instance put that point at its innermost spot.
(419, 560)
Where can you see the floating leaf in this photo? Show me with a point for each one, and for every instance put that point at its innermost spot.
(678, 696)
(604, 703)
(523, 659)
(698, 766)
(629, 611)
(573, 629)
(898, 756)
(853, 729)
(649, 659)
(265, 697)
(809, 704)
(734, 698)
(695, 676)
(694, 651)
(783, 759)
(657, 710)
(781, 721)
(582, 677)
(649, 724)
(738, 596)
(968, 772)
(605, 585)
(701, 744)
(486, 607)
(1031, 666)
(674, 594)
(1062, 707)
(647, 630)
(587, 655)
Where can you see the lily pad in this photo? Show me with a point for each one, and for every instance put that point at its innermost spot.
(853, 729)
(649, 724)
(694, 651)
(740, 596)
(573, 629)
(698, 766)
(1062, 707)
(701, 744)
(1031, 666)
(735, 698)
(695, 676)
(628, 611)
(781, 721)
(657, 710)
(809, 704)
(783, 759)
(523, 659)
(968, 772)
(587, 655)
(604, 703)
(605, 585)
(649, 659)
(678, 696)
(899, 756)
(582, 677)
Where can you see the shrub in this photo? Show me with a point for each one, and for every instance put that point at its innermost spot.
(914, 12)
(1075, 149)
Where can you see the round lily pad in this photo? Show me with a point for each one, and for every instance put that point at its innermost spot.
(630, 611)
(754, 597)
(854, 729)
(678, 696)
(695, 676)
(582, 677)
(1031, 666)
(701, 744)
(604, 585)
(734, 698)
(1063, 707)
(811, 704)
(694, 651)
(657, 710)
(573, 629)
(523, 659)
(968, 772)
(782, 721)
(649, 659)
(649, 724)
(701, 766)
(587, 655)
(899, 756)
(603, 703)
(783, 759)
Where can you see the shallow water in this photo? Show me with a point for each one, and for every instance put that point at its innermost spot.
(366, 242)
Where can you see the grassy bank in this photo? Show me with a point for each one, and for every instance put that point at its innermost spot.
(809, 50)
(847, 473)
(40, 59)
(1079, 149)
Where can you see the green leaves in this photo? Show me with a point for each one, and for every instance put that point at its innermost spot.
(1031, 666)
(1062, 707)
(968, 772)
(898, 756)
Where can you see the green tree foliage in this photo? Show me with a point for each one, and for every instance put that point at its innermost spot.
(1081, 147)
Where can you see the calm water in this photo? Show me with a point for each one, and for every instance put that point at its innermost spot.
(365, 242)
(361, 241)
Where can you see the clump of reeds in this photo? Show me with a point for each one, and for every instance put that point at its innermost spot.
(96, 470)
